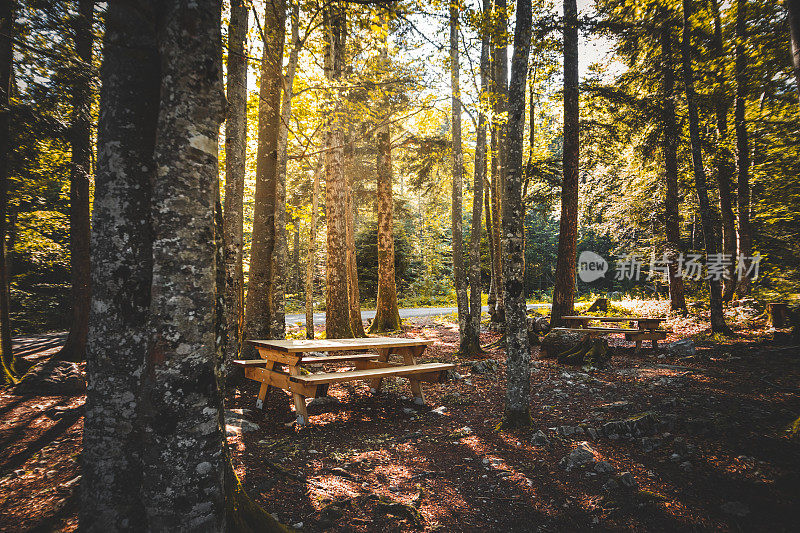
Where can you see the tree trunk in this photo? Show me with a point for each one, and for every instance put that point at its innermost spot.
(260, 311)
(353, 295)
(564, 290)
(80, 141)
(723, 160)
(121, 271)
(742, 142)
(706, 214)
(518, 354)
(6, 65)
(471, 344)
(489, 205)
(670, 151)
(278, 270)
(793, 7)
(337, 297)
(456, 209)
(235, 159)
(500, 92)
(387, 313)
(312, 250)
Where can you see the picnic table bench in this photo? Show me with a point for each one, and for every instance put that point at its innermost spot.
(646, 327)
(276, 354)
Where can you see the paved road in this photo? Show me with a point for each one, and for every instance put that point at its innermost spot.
(319, 318)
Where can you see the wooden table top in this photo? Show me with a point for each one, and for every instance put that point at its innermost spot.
(337, 345)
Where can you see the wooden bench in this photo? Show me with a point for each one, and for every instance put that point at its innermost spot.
(373, 367)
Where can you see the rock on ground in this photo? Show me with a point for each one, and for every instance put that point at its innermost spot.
(53, 378)
(557, 342)
(582, 455)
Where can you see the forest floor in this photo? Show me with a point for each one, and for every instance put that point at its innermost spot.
(707, 449)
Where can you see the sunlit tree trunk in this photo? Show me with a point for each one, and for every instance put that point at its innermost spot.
(353, 294)
(489, 206)
(387, 313)
(706, 214)
(793, 7)
(670, 153)
(742, 142)
(564, 290)
(723, 158)
(121, 271)
(518, 354)
(337, 299)
(235, 156)
(6, 64)
(260, 310)
(456, 208)
(312, 250)
(500, 99)
(472, 334)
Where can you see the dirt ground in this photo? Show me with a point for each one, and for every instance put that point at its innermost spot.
(707, 449)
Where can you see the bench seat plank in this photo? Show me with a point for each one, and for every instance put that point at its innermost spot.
(334, 345)
(615, 318)
(370, 373)
(601, 330)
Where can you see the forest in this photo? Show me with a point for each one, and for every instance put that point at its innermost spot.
(199, 196)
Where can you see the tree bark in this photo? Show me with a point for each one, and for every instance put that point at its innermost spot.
(706, 214)
(471, 344)
(260, 309)
(387, 312)
(500, 107)
(312, 250)
(564, 290)
(353, 294)
(456, 209)
(670, 152)
(337, 297)
(74, 348)
(489, 205)
(518, 354)
(723, 159)
(793, 7)
(121, 270)
(742, 142)
(235, 159)
(7, 13)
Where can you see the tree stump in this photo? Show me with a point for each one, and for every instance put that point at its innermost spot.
(778, 313)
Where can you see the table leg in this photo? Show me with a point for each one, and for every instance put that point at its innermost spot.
(638, 346)
(383, 357)
(263, 392)
(655, 344)
(299, 400)
(409, 358)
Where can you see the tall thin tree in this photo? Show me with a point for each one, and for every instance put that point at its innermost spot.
(459, 273)
(793, 8)
(564, 290)
(518, 355)
(312, 248)
(670, 153)
(235, 158)
(742, 142)
(7, 12)
(706, 214)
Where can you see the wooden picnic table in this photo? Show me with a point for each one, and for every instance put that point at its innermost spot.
(646, 327)
(292, 354)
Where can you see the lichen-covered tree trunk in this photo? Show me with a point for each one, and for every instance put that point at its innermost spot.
(312, 250)
(80, 142)
(121, 271)
(670, 153)
(456, 208)
(518, 355)
(259, 312)
(489, 206)
(500, 108)
(337, 296)
(793, 7)
(235, 156)
(701, 186)
(387, 312)
(723, 159)
(6, 62)
(471, 344)
(564, 290)
(742, 142)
